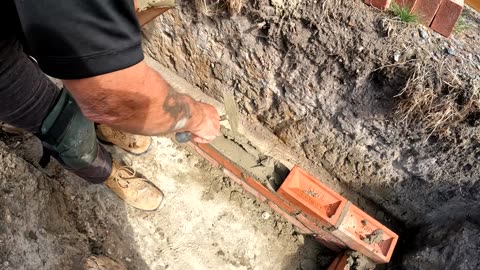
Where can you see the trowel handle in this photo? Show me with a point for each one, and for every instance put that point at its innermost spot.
(183, 137)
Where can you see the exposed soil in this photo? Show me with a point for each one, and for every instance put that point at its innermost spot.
(51, 219)
(388, 109)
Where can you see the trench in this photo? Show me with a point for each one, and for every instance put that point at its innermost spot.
(252, 151)
(318, 85)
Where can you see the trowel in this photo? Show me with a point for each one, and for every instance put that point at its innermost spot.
(231, 115)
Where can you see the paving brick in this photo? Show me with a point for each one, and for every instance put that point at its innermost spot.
(340, 262)
(244, 185)
(366, 235)
(223, 161)
(447, 16)
(322, 235)
(300, 227)
(270, 195)
(426, 10)
(380, 4)
(210, 160)
(312, 197)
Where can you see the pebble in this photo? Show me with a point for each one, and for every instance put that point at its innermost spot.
(451, 51)
(5, 264)
(32, 235)
(396, 56)
(266, 215)
(423, 33)
(128, 259)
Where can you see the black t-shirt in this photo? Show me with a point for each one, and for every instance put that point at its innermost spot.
(73, 39)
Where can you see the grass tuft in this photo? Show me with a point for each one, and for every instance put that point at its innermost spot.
(437, 99)
(403, 13)
(461, 26)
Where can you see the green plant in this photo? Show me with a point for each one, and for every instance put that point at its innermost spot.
(461, 25)
(403, 13)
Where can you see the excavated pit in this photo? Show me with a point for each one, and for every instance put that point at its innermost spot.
(322, 76)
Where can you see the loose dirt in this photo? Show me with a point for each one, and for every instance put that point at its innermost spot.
(371, 105)
(50, 219)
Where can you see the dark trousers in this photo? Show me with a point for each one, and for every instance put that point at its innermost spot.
(26, 98)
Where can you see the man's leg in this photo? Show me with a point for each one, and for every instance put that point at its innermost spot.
(27, 97)
(29, 100)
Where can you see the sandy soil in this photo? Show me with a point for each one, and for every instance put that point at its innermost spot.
(50, 219)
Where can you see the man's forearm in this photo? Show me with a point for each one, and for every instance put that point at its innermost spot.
(135, 100)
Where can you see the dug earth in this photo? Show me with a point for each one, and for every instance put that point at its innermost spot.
(391, 110)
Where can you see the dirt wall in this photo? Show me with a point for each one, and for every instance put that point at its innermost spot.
(327, 77)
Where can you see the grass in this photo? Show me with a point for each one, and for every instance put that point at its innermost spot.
(403, 13)
(437, 99)
(461, 26)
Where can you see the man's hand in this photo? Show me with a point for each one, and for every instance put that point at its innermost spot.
(204, 126)
(137, 100)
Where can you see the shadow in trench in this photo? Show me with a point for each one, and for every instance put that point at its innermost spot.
(310, 256)
(66, 217)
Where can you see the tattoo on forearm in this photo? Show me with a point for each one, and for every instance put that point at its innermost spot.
(176, 105)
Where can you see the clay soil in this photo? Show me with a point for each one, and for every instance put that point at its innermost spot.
(50, 219)
(338, 83)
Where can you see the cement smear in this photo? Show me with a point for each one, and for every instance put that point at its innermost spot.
(269, 171)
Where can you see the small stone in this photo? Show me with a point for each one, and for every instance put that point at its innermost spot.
(249, 107)
(266, 215)
(423, 33)
(308, 264)
(3, 228)
(5, 264)
(301, 239)
(128, 259)
(360, 49)
(396, 56)
(451, 51)
(32, 235)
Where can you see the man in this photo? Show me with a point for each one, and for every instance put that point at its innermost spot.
(94, 46)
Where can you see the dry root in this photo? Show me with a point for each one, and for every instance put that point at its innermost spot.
(437, 99)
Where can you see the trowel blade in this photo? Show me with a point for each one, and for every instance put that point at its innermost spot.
(231, 111)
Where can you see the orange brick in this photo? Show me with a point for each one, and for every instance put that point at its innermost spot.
(366, 235)
(447, 16)
(269, 195)
(426, 10)
(223, 161)
(197, 149)
(340, 262)
(300, 227)
(312, 197)
(244, 185)
(322, 236)
(380, 4)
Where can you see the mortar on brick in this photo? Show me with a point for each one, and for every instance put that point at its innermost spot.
(266, 169)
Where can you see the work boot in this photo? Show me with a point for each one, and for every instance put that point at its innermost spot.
(134, 188)
(134, 144)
